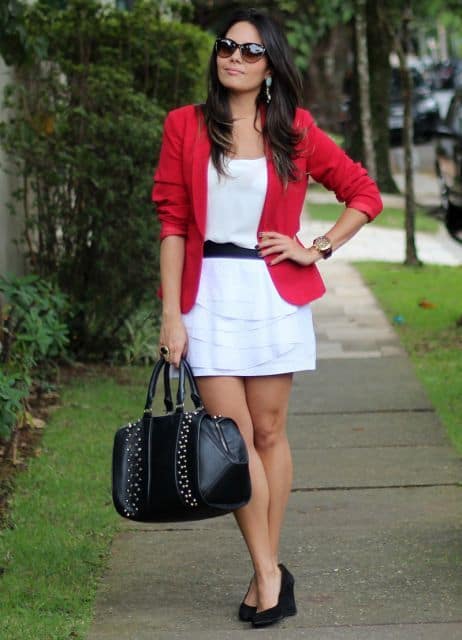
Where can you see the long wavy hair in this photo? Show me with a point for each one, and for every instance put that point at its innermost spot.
(280, 139)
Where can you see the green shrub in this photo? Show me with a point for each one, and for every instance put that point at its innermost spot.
(140, 338)
(85, 138)
(13, 390)
(34, 331)
(33, 334)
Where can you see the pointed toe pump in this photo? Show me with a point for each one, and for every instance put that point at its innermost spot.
(268, 616)
(246, 612)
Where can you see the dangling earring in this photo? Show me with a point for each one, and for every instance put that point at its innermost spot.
(268, 82)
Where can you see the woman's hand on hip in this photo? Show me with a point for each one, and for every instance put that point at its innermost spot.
(173, 335)
(286, 248)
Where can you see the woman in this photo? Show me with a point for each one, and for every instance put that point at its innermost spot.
(236, 282)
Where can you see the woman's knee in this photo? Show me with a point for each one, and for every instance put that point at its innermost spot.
(269, 431)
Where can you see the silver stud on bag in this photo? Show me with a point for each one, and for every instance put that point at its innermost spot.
(133, 440)
(184, 481)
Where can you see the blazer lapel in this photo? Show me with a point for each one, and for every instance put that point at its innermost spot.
(200, 159)
(273, 191)
(274, 188)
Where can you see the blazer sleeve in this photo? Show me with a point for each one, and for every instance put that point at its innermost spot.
(169, 192)
(328, 164)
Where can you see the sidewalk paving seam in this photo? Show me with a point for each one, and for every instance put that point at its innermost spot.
(378, 624)
(169, 530)
(374, 446)
(377, 486)
(363, 411)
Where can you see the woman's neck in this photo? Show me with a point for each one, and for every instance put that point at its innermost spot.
(242, 106)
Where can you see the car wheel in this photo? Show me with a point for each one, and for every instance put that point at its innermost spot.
(453, 222)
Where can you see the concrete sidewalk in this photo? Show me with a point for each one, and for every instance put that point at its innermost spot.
(373, 528)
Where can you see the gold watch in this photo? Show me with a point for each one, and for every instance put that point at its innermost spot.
(323, 245)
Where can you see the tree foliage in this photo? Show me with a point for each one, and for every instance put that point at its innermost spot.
(84, 137)
(309, 22)
(12, 30)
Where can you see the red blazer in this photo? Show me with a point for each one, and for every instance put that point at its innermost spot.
(180, 193)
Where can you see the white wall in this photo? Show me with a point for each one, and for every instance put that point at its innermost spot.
(11, 259)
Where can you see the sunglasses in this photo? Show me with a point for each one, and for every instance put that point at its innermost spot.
(250, 51)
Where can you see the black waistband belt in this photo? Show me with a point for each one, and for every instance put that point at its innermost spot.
(228, 250)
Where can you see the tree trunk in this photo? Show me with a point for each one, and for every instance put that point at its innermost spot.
(323, 80)
(380, 78)
(442, 41)
(408, 135)
(362, 62)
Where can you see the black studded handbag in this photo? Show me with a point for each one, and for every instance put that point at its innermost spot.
(184, 465)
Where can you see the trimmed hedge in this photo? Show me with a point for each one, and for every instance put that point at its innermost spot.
(85, 136)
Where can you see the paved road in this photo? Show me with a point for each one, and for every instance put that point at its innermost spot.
(443, 98)
(423, 158)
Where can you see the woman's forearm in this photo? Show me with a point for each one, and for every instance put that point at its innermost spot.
(172, 249)
(348, 225)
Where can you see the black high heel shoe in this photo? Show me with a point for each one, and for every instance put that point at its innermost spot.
(246, 612)
(288, 598)
(278, 612)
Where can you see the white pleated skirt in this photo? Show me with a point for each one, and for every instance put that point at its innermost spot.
(240, 325)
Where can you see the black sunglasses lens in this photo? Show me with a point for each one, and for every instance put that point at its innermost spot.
(252, 52)
(225, 48)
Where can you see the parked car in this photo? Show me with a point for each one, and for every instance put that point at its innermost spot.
(458, 75)
(425, 111)
(448, 158)
(444, 74)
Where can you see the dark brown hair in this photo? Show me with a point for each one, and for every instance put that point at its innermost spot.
(279, 136)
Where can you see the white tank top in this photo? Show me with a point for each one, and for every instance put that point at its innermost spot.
(235, 201)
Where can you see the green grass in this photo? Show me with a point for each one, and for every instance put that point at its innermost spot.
(61, 521)
(389, 218)
(430, 335)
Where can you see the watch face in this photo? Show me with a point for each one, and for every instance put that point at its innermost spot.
(322, 243)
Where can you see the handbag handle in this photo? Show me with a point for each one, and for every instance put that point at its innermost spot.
(184, 372)
(152, 385)
(168, 402)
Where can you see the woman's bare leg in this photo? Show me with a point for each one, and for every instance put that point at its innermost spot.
(268, 400)
(226, 395)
